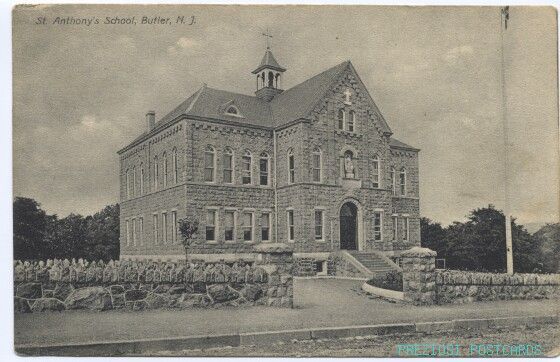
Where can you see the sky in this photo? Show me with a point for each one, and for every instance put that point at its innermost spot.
(80, 93)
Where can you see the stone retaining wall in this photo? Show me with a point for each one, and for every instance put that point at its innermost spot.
(453, 286)
(59, 285)
(423, 284)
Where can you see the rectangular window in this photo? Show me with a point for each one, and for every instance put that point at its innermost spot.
(375, 176)
(210, 225)
(127, 190)
(209, 166)
(316, 167)
(142, 181)
(164, 170)
(228, 168)
(377, 223)
(248, 226)
(264, 171)
(319, 224)
(402, 180)
(265, 227)
(173, 227)
(291, 229)
(246, 171)
(292, 169)
(141, 230)
(175, 167)
(156, 222)
(405, 229)
(133, 181)
(127, 233)
(133, 231)
(393, 182)
(229, 225)
(156, 174)
(351, 121)
(164, 227)
(395, 227)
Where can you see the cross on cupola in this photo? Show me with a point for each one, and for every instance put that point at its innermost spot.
(267, 36)
(347, 93)
(268, 73)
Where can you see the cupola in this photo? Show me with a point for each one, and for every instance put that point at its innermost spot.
(269, 74)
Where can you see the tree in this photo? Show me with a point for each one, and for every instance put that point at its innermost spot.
(40, 236)
(29, 229)
(71, 232)
(479, 244)
(549, 237)
(102, 234)
(188, 228)
(432, 236)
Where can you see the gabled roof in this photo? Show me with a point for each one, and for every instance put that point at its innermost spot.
(291, 105)
(299, 100)
(394, 143)
(268, 61)
(210, 104)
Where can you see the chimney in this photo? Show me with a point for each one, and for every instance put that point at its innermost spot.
(151, 120)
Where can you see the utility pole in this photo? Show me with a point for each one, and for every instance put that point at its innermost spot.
(504, 18)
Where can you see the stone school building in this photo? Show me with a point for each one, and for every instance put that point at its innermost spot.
(315, 166)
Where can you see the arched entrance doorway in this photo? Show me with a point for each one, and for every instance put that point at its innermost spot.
(349, 226)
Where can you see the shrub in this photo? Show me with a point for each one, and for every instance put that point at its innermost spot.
(392, 280)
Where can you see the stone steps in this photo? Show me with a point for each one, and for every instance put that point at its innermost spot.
(372, 261)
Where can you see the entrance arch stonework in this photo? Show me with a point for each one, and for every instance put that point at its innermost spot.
(350, 225)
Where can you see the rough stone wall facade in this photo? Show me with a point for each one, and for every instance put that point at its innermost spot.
(192, 196)
(418, 265)
(340, 267)
(423, 284)
(58, 286)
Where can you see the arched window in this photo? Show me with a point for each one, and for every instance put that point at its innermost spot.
(156, 173)
(394, 181)
(264, 166)
(402, 181)
(127, 185)
(316, 164)
(133, 181)
(141, 179)
(209, 164)
(375, 171)
(228, 165)
(276, 79)
(175, 165)
(271, 79)
(341, 119)
(246, 171)
(164, 161)
(291, 167)
(351, 121)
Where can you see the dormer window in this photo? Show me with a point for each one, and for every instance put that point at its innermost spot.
(233, 111)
